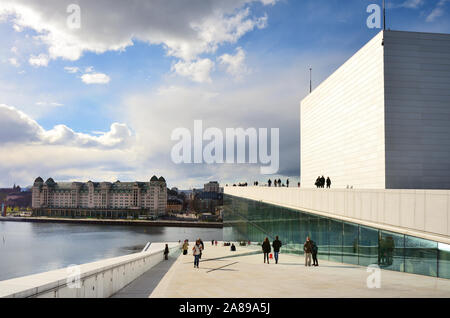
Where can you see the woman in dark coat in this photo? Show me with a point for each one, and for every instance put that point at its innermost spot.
(266, 249)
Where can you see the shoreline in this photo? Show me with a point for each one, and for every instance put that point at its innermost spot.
(161, 223)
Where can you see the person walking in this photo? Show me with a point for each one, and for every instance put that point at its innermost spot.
(203, 247)
(266, 249)
(287, 183)
(166, 252)
(314, 251)
(317, 182)
(328, 182)
(269, 183)
(185, 247)
(307, 248)
(322, 182)
(276, 248)
(197, 250)
(212, 242)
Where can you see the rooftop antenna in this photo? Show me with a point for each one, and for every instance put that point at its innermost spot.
(310, 80)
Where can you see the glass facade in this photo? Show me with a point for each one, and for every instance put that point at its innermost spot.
(338, 241)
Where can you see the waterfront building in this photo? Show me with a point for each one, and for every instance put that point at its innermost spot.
(174, 206)
(379, 124)
(212, 186)
(99, 199)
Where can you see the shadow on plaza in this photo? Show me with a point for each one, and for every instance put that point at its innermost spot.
(330, 266)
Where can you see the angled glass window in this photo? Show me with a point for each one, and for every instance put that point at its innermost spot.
(420, 256)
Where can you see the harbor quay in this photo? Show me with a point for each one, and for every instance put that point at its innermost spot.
(114, 222)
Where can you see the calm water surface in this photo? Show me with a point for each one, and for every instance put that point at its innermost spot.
(29, 248)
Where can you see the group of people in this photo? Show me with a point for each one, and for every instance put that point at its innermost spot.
(320, 182)
(309, 247)
(197, 250)
(267, 249)
(277, 183)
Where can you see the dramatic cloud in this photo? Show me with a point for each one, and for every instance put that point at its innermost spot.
(17, 127)
(235, 64)
(95, 78)
(185, 28)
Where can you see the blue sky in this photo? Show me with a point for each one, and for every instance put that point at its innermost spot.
(143, 68)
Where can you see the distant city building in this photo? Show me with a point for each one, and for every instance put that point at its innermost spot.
(20, 199)
(99, 199)
(207, 201)
(174, 206)
(212, 186)
(15, 197)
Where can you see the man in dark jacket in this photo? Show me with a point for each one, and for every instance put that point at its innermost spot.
(314, 251)
(307, 248)
(276, 248)
(328, 182)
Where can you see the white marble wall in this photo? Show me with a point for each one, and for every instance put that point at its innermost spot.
(382, 120)
(342, 123)
(99, 279)
(422, 213)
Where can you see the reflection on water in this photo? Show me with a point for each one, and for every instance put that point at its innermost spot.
(29, 248)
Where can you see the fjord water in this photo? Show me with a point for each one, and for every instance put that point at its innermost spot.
(30, 248)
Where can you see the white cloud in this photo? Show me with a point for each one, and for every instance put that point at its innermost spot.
(39, 60)
(13, 61)
(412, 4)
(186, 29)
(71, 69)
(49, 104)
(14, 50)
(437, 11)
(198, 71)
(95, 78)
(17, 127)
(234, 64)
(89, 69)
